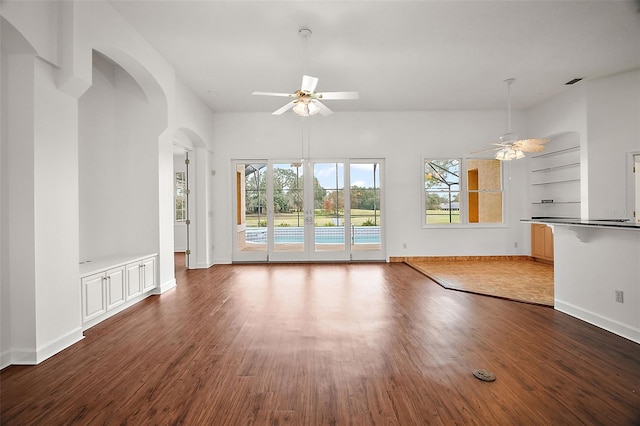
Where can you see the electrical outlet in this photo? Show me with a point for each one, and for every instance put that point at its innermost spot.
(515, 245)
(619, 296)
(404, 245)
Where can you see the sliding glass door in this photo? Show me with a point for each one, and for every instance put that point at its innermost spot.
(366, 235)
(313, 210)
(328, 208)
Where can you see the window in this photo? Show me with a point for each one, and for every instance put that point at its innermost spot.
(484, 189)
(442, 191)
(180, 197)
(462, 192)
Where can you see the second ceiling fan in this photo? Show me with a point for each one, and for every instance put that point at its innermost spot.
(510, 146)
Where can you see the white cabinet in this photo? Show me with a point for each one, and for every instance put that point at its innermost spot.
(93, 303)
(149, 280)
(134, 281)
(101, 292)
(114, 288)
(110, 285)
(141, 277)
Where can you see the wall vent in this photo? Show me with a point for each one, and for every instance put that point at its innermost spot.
(574, 81)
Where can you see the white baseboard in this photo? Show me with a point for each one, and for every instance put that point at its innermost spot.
(18, 356)
(203, 265)
(55, 346)
(615, 327)
(163, 288)
(24, 356)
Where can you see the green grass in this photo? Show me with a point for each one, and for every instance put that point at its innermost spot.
(442, 216)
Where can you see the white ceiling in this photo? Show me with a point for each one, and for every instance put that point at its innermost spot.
(400, 55)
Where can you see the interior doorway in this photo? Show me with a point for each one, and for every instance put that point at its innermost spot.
(182, 201)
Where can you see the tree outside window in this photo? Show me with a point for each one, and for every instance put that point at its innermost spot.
(442, 191)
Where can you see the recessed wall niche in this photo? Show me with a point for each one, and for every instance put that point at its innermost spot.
(118, 165)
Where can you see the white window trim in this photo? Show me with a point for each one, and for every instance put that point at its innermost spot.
(464, 224)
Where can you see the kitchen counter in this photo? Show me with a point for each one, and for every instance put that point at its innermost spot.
(599, 223)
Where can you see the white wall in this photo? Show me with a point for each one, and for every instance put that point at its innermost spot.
(402, 139)
(613, 108)
(118, 204)
(37, 21)
(590, 265)
(18, 262)
(40, 232)
(98, 137)
(55, 124)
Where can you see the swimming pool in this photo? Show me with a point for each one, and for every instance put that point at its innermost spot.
(323, 235)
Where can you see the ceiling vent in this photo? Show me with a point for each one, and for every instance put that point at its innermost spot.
(572, 82)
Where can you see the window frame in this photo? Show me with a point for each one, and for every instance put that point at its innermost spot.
(464, 196)
(177, 197)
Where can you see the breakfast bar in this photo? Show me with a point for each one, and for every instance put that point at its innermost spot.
(597, 272)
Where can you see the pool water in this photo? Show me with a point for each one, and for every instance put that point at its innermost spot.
(323, 235)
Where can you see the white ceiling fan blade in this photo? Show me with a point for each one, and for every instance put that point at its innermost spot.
(486, 150)
(324, 110)
(285, 108)
(273, 94)
(338, 95)
(309, 84)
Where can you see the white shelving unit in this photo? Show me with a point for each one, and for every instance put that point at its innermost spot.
(555, 180)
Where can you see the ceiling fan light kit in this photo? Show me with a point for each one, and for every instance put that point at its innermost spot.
(507, 154)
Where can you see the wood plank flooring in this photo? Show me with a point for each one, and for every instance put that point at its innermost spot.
(329, 344)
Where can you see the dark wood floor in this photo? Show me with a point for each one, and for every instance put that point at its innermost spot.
(314, 344)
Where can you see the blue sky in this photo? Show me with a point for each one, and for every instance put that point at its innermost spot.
(361, 174)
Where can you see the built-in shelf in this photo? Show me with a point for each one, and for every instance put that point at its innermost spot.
(557, 152)
(557, 202)
(554, 177)
(556, 181)
(563, 166)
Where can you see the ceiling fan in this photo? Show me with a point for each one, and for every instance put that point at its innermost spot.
(510, 147)
(307, 100)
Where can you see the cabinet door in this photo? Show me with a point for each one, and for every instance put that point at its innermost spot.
(148, 274)
(115, 287)
(537, 240)
(133, 280)
(548, 243)
(93, 298)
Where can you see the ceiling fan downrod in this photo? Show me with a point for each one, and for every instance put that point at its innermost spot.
(509, 136)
